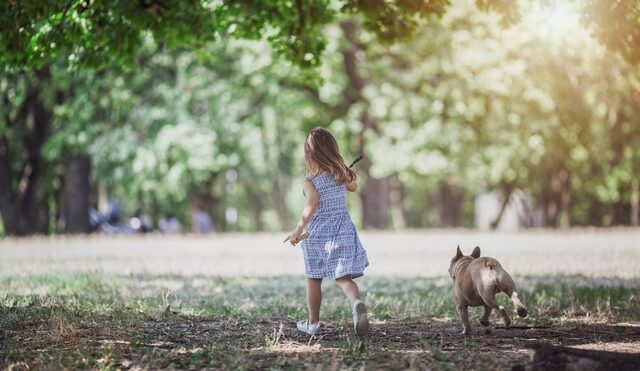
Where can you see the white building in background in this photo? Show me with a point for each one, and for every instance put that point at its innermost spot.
(518, 214)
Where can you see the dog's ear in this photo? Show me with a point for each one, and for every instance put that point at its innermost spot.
(476, 252)
(458, 254)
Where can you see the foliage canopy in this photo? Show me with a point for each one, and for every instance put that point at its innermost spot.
(96, 33)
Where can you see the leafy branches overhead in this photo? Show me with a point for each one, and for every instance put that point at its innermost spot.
(393, 20)
(508, 8)
(617, 25)
(93, 33)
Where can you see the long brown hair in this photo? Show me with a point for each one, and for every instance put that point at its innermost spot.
(321, 153)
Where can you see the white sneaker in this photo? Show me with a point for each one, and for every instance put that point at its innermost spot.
(309, 328)
(360, 320)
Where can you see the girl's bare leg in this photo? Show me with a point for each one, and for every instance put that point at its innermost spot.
(314, 299)
(349, 288)
(351, 291)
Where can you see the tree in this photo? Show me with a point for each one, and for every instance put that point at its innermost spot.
(36, 35)
(506, 109)
(96, 34)
(24, 129)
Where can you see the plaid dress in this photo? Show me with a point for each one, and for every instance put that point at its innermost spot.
(333, 249)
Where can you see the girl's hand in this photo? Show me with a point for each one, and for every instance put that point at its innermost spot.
(310, 207)
(353, 185)
(294, 237)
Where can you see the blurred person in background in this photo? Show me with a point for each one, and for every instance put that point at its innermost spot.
(201, 222)
(169, 224)
(96, 220)
(139, 223)
(112, 222)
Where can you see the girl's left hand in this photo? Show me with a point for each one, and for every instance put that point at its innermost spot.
(294, 237)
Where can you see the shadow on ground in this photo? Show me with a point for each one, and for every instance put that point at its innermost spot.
(178, 341)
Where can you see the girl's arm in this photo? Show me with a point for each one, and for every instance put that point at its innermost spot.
(307, 212)
(353, 185)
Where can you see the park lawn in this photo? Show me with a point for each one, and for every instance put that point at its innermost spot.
(106, 321)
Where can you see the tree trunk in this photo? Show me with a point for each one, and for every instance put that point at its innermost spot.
(617, 213)
(448, 204)
(618, 137)
(8, 205)
(635, 203)
(506, 194)
(77, 194)
(279, 193)
(57, 205)
(397, 210)
(375, 195)
(557, 197)
(375, 192)
(375, 201)
(257, 206)
(22, 203)
(565, 198)
(549, 208)
(375, 204)
(596, 212)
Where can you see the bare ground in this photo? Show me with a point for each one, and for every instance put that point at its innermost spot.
(185, 342)
(402, 345)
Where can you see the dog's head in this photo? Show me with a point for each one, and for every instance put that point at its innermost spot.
(460, 257)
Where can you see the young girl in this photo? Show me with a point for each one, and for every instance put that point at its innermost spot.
(333, 249)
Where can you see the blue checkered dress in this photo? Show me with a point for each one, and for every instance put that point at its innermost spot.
(333, 249)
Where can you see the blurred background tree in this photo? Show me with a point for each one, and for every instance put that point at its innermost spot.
(170, 107)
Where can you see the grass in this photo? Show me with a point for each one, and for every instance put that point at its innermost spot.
(106, 321)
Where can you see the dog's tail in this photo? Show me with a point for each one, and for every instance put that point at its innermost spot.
(491, 264)
(520, 308)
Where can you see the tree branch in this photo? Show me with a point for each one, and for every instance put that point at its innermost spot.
(64, 16)
(301, 20)
(336, 111)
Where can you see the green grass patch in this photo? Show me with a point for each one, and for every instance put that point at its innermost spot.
(35, 297)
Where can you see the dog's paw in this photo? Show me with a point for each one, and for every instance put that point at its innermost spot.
(465, 332)
(522, 312)
(484, 322)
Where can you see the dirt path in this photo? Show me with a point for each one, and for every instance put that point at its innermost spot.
(593, 253)
(393, 345)
(188, 342)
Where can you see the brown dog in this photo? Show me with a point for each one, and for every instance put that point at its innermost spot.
(476, 281)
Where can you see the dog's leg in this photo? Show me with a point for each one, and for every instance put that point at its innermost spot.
(484, 320)
(464, 316)
(490, 300)
(509, 288)
(520, 308)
